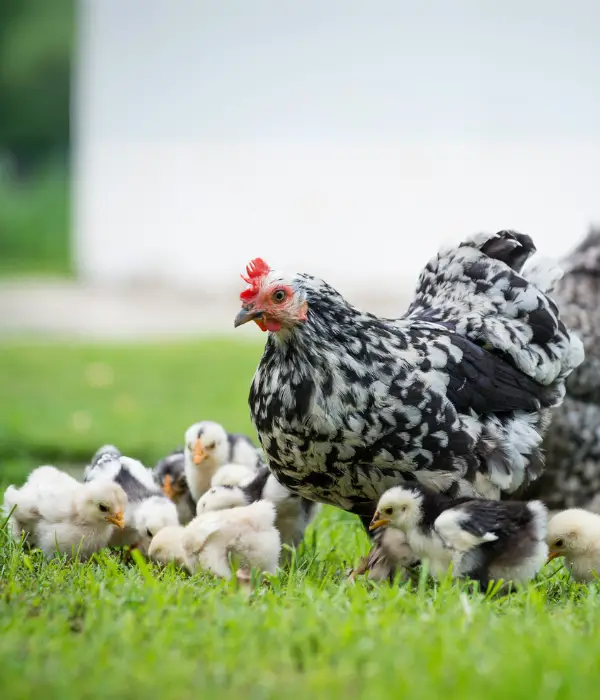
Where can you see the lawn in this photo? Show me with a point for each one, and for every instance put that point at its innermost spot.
(128, 630)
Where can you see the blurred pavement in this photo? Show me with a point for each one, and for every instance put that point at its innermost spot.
(67, 309)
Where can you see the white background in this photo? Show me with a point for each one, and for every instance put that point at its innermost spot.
(347, 139)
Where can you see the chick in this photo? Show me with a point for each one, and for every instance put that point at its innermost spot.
(166, 546)
(209, 446)
(484, 540)
(59, 514)
(147, 511)
(104, 450)
(109, 464)
(390, 554)
(169, 473)
(150, 517)
(248, 533)
(293, 513)
(575, 535)
(232, 475)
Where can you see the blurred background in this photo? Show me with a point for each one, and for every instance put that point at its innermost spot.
(149, 149)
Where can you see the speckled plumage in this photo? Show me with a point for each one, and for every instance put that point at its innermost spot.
(572, 444)
(455, 394)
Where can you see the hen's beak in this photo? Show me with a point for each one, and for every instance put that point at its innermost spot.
(199, 453)
(167, 488)
(378, 522)
(552, 556)
(117, 520)
(247, 314)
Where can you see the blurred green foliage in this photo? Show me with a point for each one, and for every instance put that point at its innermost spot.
(34, 223)
(36, 43)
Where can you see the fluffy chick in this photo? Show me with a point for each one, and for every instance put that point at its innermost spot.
(390, 554)
(293, 513)
(147, 510)
(169, 474)
(484, 540)
(209, 446)
(151, 516)
(104, 450)
(135, 479)
(575, 535)
(59, 514)
(232, 475)
(247, 533)
(166, 546)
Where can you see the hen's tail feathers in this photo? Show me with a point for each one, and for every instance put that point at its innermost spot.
(586, 257)
(484, 290)
(509, 247)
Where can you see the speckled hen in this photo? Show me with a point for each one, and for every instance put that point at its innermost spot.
(572, 444)
(454, 395)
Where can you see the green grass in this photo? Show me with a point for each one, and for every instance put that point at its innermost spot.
(127, 630)
(34, 224)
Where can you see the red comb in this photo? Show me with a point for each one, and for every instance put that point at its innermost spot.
(255, 270)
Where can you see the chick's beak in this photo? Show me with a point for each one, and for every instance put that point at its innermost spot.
(378, 522)
(247, 313)
(552, 556)
(117, 520)
(199, 453)
(167, 488)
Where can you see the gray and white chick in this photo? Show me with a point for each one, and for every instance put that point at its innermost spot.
(148, 510)
(169, 474)
(389, 557)
(208, 446)
(293, 513)
(484, 540)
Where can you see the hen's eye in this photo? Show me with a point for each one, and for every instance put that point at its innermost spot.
(388, 511)
(149, 533)
(102, 508)
(559, 543)
(278, 296)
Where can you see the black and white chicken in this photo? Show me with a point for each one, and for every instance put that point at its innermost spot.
(454, 395)
(484, 540)
(571, 477)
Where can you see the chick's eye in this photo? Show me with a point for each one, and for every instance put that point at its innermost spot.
(388, 511)
(278, 296)
(149, 533)
(211, 446)
(559, 543)
(103, 508)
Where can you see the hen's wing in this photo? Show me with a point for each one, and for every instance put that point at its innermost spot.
(483, 291)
